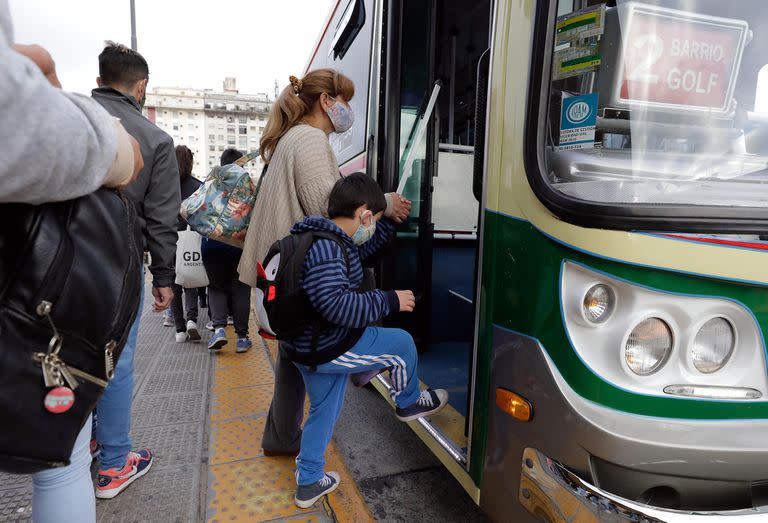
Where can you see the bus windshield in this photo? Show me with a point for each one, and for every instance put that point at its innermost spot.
(660, 102)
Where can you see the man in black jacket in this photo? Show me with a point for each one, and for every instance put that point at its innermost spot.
(123, 76)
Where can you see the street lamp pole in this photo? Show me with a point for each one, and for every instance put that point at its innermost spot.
(133, 25)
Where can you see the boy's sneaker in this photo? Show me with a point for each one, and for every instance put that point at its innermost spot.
(218, 340)
(307, 495)
(243, 344)
(168, 318)
(429, 402)
(181, 337)
(112, 482)
(209, 326)
(194, 334)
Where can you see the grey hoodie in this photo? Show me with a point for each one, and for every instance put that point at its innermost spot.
(54, 146)
(156, 191)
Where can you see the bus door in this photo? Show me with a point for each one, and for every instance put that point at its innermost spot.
(435, 49)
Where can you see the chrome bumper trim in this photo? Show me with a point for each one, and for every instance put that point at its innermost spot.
(548, 489)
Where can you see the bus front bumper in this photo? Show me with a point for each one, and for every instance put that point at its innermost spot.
(548, 488)
(677, 467)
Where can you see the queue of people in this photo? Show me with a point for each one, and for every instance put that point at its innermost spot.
(302, 193)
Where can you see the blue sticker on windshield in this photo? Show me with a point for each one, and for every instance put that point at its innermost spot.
(578, 118)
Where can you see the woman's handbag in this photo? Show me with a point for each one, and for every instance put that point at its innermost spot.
(190, 272)
(221, 208)
(70, 280)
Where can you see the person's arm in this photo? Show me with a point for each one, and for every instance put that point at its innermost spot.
(326, 283)
(54, 146)
(161, 208)
(316, 173)
(385, 231)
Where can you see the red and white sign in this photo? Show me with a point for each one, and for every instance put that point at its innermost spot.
(677, 59)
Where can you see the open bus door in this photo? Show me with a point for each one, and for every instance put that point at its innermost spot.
(429, 120)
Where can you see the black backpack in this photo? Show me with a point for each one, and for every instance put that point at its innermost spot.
(70, 280)
(283, 307)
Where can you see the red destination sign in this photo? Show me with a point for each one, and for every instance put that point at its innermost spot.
(678, 59)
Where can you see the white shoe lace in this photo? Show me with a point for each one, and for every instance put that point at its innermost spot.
(425, 399)
(326, 481)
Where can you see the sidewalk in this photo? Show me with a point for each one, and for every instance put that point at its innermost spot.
(202, 415)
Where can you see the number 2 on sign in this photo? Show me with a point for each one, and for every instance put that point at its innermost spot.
(652, 46)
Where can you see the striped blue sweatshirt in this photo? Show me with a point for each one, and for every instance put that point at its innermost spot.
(333, 289)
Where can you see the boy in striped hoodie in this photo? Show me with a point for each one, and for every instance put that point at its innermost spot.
(344, 342)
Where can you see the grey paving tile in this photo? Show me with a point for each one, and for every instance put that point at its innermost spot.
(163, 495)
(173, 445)
(174, 382)
(196, 358)
(16, 502)
(150, 411)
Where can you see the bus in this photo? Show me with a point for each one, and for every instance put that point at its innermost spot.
(588, 243)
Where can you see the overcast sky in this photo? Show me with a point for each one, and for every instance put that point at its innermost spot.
(186, 43)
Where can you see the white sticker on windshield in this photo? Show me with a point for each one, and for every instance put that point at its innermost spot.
(578, 118)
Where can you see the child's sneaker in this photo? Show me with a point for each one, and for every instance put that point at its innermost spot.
(194, 334)
(218, 340)
(168, 318)
(429, 402)
(307, 495)
(209, 326)
(112, 482)
(243, 344)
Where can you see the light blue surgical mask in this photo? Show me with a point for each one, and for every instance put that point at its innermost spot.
(341, 116)
(364, 232)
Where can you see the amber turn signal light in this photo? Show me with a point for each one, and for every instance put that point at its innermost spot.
(514, 405)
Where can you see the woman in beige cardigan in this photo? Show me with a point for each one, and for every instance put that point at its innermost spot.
(301, 172)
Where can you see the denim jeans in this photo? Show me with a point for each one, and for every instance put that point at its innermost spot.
(114, 408)
(66, 494)
(376, 349)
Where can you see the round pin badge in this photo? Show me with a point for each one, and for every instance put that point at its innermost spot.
(59, 399)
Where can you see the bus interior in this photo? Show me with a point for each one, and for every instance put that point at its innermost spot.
(436, 250)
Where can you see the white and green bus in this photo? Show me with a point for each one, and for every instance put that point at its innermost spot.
(588, 242)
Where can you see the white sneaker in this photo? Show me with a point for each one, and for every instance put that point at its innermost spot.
(194, 334)
(181, 337)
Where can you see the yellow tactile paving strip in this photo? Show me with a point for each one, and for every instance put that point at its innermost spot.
(243, 484)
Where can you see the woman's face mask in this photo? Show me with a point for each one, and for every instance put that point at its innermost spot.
(341, 116)
(364, 232)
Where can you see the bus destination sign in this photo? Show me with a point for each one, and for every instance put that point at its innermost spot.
(679, 60)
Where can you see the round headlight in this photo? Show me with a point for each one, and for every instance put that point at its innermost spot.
(648, 346)
(599, 302)
(713, 345)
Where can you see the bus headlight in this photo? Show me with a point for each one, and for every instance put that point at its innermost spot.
(648, 346)
(599, 302)
(713, 345)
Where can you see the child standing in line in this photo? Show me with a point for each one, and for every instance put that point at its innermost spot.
(341, 342)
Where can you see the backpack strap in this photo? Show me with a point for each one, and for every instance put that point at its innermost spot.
(334, 238)
(316, 328)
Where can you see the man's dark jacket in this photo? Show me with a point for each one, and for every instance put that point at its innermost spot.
(156, 192)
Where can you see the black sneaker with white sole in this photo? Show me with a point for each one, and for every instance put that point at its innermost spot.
(307, 495)
(429, 402)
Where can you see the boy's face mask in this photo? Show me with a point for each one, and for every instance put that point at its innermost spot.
(341, 116)
(364, 232)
